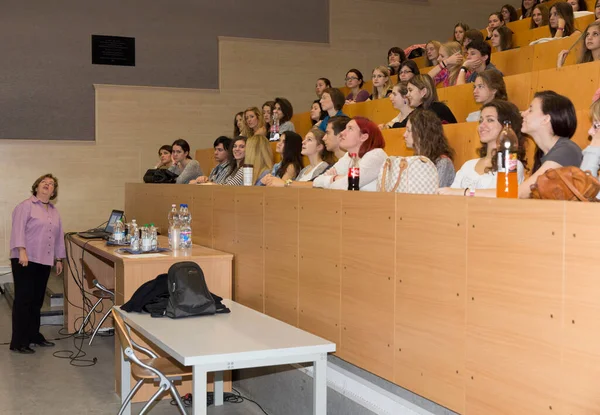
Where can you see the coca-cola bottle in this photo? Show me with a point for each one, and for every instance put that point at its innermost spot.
(354, 173)
(274, 133)
(507, 185)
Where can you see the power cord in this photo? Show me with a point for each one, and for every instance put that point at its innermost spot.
(228, 397)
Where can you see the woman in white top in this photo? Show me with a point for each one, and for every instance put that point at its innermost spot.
(591, 154)
(319, 157)
(480, 174)
(363, 137)
(399, 101)
(488, 85)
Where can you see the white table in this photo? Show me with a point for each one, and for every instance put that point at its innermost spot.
(241, 339)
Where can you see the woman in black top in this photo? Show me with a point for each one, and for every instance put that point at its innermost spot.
(551, 121)
(423, 94)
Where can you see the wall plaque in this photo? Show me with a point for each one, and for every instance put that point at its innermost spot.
(113, 50)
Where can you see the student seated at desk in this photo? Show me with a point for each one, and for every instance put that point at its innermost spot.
(495, 20)
(332, 102)
(316, 112)
(423, 94)
(260, 156)
(502, 39)
(321, 85)
(472, 35)
(395, 58)
(164, 157)
(540, 16)
(382, 84)
(562, 21)
(267, 112)
(238, 124)
(408, 69)
(597, 10)
(221, 154)
(254, 123)
(591, 154)
(459, 32)
(289, 147)
(551, 121)
(578, 5)
(186, 168)
(354, 82)
(425, 135)
(363, 137)
(590, 50)
(319, 157)
(527, 7)
(509, 13)
(235, 157)
(400, 102)
(479, 55)
(284, 112)
(451, 59)
(477, 177)
(432, 53)
(488, 86)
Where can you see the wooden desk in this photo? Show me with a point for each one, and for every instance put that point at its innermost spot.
(242, 339)
(128, 272)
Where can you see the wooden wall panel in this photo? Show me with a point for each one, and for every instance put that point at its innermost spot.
(578, 82)
(249, 248)
(206, 158)
(368, 260)
(395, 144)
(581, 320)
(320, 238)
(514, 61)
(514, 309)
(223, 220)
(461, 102)
(281, 254)
(518, 88)
(430, 297)
(202, 215)
(464, 139)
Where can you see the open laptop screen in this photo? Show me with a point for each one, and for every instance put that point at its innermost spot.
(114, 217)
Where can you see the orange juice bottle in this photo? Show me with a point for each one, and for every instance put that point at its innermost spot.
(507, 183)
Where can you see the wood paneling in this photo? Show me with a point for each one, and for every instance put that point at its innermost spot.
(514, 309)
(202, 215)
(578, 82)
(368, 260)
(249, 267)
(430, 297)
(518, 88)
(223, 216)
(281, 254)
(580, 374)
(514, 61)
(320, 238)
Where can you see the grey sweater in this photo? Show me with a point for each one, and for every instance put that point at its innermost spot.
(190, 172)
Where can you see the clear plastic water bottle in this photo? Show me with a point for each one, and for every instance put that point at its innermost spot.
(119, 232)
(133, 228)
(135, 239)
(173, 223)
(185, 217)
(153, 237)
(146, 237)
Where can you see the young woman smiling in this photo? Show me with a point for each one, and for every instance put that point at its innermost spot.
(540, 16)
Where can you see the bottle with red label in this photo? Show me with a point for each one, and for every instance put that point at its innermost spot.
(507, 183)
(354, 173)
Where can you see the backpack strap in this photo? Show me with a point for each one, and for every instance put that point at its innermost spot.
(572, 188)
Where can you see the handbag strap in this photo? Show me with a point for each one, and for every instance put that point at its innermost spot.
(572, 188)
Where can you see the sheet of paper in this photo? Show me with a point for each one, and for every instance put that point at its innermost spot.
(144, 256)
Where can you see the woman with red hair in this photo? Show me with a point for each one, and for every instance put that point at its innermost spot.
(363, 137)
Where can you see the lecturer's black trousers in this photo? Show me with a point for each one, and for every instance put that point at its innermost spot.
(30, 289)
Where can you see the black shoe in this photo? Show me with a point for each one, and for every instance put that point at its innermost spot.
(44, 343)
(23, 350)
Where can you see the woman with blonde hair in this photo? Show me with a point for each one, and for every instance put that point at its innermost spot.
(382, 84)
(432, 51)
(254, 123)
(590, 50)
(450, 61)
(260, 156)
(540, 16)
(421, 93)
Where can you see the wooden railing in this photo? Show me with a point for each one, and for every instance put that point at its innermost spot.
(483, 306)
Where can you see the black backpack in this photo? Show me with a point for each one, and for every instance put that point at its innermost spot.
(159, 176)
(188, 293)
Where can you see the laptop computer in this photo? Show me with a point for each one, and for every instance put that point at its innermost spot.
(115, 215)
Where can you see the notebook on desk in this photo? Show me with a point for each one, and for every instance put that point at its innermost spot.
(115, 216)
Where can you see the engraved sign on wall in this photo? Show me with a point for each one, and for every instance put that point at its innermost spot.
(113, 50)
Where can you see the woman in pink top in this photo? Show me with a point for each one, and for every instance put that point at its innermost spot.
(36, 244)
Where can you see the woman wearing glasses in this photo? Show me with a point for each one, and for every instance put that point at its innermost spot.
(355, 82)
(408, 69)
(36, 245)
(591, 154)
(382, 85)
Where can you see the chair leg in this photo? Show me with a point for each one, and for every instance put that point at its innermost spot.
(154, 397)
(100, 325)
(86, 319)
(175, 395)
(130, 395)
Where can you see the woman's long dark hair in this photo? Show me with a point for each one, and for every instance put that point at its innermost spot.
(292, 154)
(507, 111)
(565, 11)
(428, 134)
(527, 13)
(233, 166)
